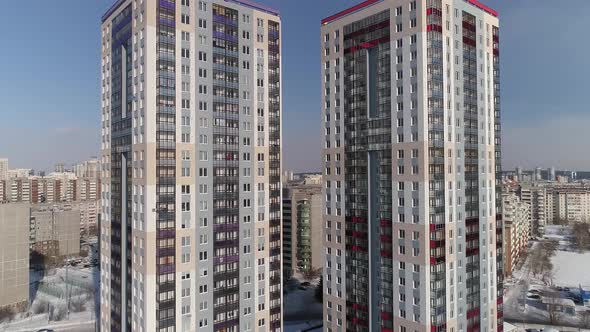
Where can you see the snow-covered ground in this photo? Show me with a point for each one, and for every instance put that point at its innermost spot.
(52, 293)
(311, 326)
(301, 306)
(571, 269)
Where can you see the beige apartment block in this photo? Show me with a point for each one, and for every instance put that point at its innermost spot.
(14, 255)
(302, 228)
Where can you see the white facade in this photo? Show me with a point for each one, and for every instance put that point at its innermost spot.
(411, 154)
(211, 154)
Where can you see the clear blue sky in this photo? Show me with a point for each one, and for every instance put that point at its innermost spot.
(49, 86)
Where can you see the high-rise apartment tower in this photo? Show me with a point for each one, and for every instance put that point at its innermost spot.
(411, 120)
(191, 166)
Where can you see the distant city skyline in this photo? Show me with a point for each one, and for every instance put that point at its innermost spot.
(50, 106)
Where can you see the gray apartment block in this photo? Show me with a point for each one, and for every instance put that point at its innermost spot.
(55, 229)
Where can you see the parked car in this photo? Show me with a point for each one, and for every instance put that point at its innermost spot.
(535, 291)
(533, 296)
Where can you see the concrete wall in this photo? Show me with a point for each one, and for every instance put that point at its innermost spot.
(57, 222)
(14, 254)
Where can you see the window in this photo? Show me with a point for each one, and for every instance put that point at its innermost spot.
(185, 53)
(185, 19)
(185, 189)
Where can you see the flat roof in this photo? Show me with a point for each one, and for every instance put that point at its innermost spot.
(246, 3)
(368, 3)
(111, 10)
(483, 7)
(350, 10)
(257, 6)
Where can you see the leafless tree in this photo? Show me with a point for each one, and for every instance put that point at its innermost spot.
(311, 274)
(78, 304)
(40, 306)
(585, 320)
(561, 221)
(548, 276)
(552, 307)
(581, 232)
(6, 314)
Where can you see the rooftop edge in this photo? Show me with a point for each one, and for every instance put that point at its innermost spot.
(368, 3)
(246, 3)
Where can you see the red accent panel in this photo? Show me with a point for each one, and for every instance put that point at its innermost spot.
(386, 254)
(384, 329)
(349, 11)
(472, 313)
(358, 306)
(437, 244)
(433, 11)
(386, 238)
(385, 223)
(433, 27)
(386, 316)
(483, 7)
(368, 44)
(437, 260)
(468, 26)
(358, 249)
(358, 234)
(358, 220)
(469, 41)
